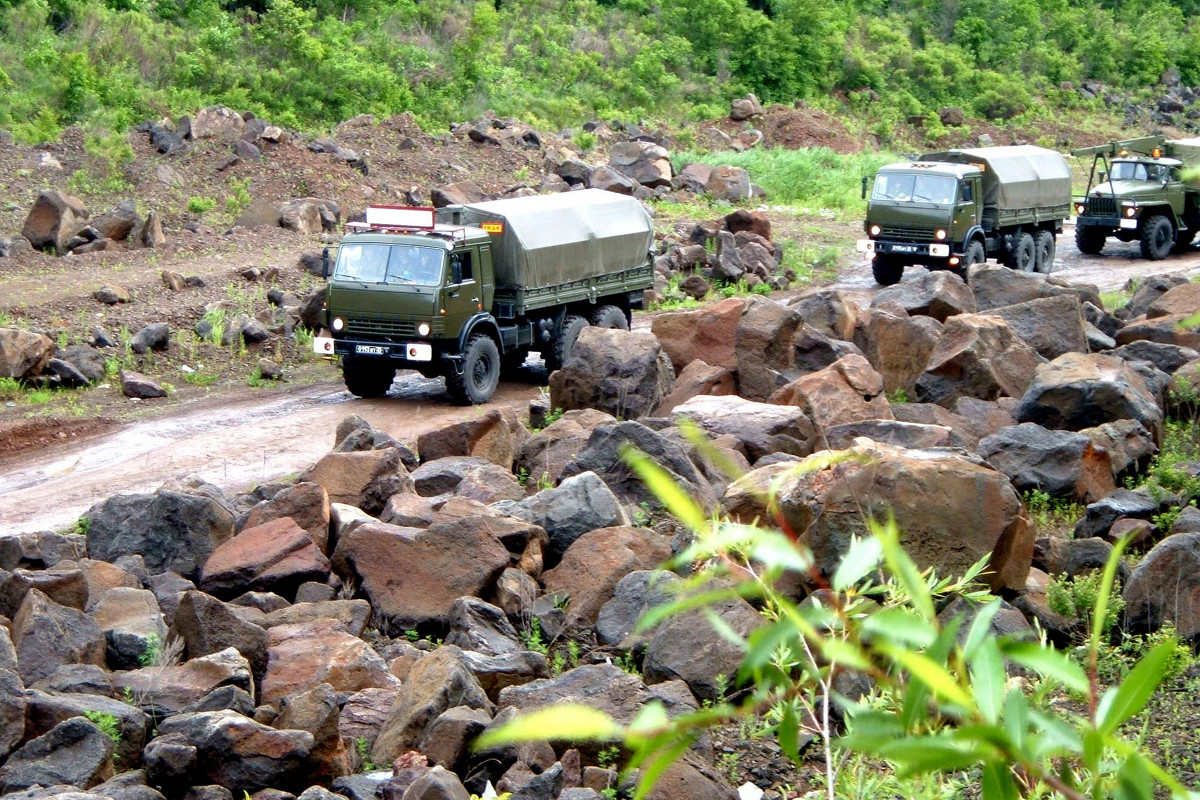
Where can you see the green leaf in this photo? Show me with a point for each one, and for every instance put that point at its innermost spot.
(988, 679)
(862, 557)
(998, 783)
(1016, 718)
(902, 566)
(774, 550)
(568, 721)
(845, 653)
(1103, 593)
(916, 706)
(929, 672)
(664, 487)
(916, 755)
(900, 625)
(1048, 662)
(1137, 688)
(1054, 737)
(651, 719)
(1134, 781)
(981, 628)
(763, 642)
(655, 767)
(789, 732)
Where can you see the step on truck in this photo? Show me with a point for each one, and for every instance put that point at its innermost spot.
(467, 291)
(951, 209)
(1143, 190)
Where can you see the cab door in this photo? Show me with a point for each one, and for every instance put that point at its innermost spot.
(966, 209)
(461, 297)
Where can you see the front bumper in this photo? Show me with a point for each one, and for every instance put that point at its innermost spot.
(1128, 223)
(883, 246)
(403, 351)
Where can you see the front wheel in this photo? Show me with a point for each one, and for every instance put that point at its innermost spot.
(1023, 255)
(975, 255)
(368, 377)
(1090, 241)
(1158, 236)
(887, 271)
(480, 372)
(1044, 252)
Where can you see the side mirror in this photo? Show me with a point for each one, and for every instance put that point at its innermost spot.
(325, 263)
(864, 187)
(1103, 176)
(455, 272)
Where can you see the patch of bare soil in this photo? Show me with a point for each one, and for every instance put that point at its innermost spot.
(22, 435)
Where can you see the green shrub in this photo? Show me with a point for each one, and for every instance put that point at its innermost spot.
(200, 205)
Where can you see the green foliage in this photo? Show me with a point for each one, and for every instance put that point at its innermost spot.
(239, 196)
(1051, 512)
(364, 755)
(81, 526)
(531, 637)
(200, 205)
(1076, 597)
(942, 703)
(107, 722)
(153, 651)
(199, 378)
(10, 388)
(897, 395)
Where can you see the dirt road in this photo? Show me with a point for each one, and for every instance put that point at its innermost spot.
(237, 443)
(232, 445)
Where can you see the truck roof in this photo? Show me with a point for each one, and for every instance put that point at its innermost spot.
(1019, 176)
(557, 238)
(932, 168)
(440, 236)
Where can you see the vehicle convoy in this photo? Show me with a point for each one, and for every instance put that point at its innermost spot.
(1142, 192)
(951, 209)
(468, 290)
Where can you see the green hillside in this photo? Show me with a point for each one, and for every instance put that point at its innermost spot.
(311, 63)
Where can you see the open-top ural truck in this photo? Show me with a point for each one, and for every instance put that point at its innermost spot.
(466, 290)
(956, 208)
(1139, 190)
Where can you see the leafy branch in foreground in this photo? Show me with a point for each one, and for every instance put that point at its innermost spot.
(945, 698)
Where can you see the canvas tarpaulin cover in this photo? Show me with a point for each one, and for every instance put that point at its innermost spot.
(1021, 176)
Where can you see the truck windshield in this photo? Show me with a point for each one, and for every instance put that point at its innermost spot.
(386, 263)
(903, 187)
(1139, 171)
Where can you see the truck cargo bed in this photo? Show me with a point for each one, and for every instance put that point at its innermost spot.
(510, 302)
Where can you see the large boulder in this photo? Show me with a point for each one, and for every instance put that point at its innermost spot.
(412, 576)
(645, 162)
(592, 566)
(443, 475)
(688, 647)
(118, 223)
(1060, 463)
(496, 435)
(698, 379)
(1167, 357)
(1076, 391)
(707, 334)
(831, 311)
(1165, 587)
(218, 122)
(1178, 300)
(581, 503)
(1130, 446)
(977, 356)
(47, 709)
(996, 286)
(342, 660)
(437, 682)
(74, 753)
(633, 596)
(978, 513)
(132, 626)
(481, 627)
(1050, 325)
(762, 428)
(235, 752)
(848, 391)
(169, 530)
(1178, 329)
(310, 215)
(460, 193)
(23, 354)
(167, 690)
(764, 346)
(53, 220)
(365, 479)
(307, 504)
(899, 347)
(276, 556)
(623, 373)
(316, 711)
(12, 702)
(729, 183)
(205, 626)
(548, 451)
(938, 294)
(47, 635)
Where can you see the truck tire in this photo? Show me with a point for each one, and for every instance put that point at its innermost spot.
(1090, 241)
(887, 271)
(480, 373)
(1044, 248)
(1023, 255)
(975, 254)
(1158, 236)
(368, 377)
(610, 317)
(559, 349)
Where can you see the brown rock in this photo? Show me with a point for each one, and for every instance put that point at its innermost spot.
(1166, 330)
(276, 556)
(53, 220)
(708, 334)
(596, 561)
(848, 391)
(496, 435)
(899, 347)
(698, 378)
(168, 690)
(345, 662)
(1179, 300)
(306, 503)
(977, 356)
(1050, 325)
(623, 373)
(365, 479)
(549, 450)
(47, 635)
(23, 354)
(316, 711)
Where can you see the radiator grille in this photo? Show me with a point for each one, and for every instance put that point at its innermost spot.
(904, 233)
(1102, 206)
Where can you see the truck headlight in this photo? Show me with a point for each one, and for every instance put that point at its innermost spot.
(1130, 211)
(338, 323)
(423, 329)
(940, 234)
(1080, 208)
(875, 229)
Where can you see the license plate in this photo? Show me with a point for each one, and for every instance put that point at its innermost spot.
(419, 352)
(906, 248)
(370, 349)
(1128, 223)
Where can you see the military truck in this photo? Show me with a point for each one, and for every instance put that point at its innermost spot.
(1139, 190)
(466, 291)
(951, 209)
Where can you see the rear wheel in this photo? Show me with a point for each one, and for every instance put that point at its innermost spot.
(480, 374)
(610, 317)
(368, 377)
(1158, 236)
(1023, 255)
(559, 349)
(1090, 241)
(1044, 248)
(887, 271)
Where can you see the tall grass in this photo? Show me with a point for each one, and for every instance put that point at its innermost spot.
(814, 177)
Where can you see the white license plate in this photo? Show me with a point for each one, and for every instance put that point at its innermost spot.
(942, 250)
(865, 246)
(370, 349)
(1128, 223)
(419, 352)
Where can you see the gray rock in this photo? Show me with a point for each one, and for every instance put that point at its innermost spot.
(635, 594)
(172, 531)
(482, 627)
(579, 504)
(152, 337)
(1060, 463)
(75, 753)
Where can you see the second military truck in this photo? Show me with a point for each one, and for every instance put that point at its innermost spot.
(1138, 191)
(952, 209)
(466, 290)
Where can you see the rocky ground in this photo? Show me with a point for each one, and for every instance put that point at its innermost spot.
(350, 628)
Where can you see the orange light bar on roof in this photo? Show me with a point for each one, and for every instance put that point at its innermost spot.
(492, 227)
(1156, 152)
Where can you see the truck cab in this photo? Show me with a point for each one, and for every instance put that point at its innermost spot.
(923, 213)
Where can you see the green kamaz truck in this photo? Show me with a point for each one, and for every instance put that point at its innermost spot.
(951, 209)
(466, 291)
(1140, 190)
